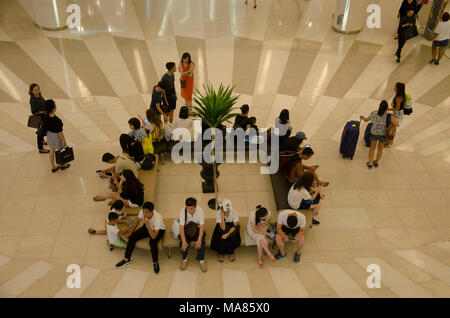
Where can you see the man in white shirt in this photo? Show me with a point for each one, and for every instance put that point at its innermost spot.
(153, 228)
(290, 227)
(441, 38)
(192, 229)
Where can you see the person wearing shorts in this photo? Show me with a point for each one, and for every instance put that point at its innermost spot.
(379, 121)
(290, 227)
(440, 39)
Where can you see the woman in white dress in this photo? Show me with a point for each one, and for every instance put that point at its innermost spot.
(257, 225)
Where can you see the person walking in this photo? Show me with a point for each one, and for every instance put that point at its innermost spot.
(187, 69)
(398, 103)
(440, 39)
(407, 30)
(55, 135)
(37, 103)
(380, 121)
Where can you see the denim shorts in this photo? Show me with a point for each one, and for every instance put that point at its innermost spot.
(380, 138)
(443, 43)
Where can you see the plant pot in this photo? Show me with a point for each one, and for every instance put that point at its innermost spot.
(207, 174)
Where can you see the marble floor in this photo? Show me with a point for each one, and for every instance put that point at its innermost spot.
(284, 54)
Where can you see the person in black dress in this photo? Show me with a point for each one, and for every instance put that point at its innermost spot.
(405, 23)
(55, 136)
(226, 237)
(37, 103)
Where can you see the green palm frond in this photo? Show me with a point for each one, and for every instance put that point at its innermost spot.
(215, 107)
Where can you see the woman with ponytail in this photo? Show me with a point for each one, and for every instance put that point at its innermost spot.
(380, 122)
(257, 225)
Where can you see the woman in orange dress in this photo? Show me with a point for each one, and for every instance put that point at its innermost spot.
(186, 69)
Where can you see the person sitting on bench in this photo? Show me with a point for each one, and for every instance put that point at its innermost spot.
(296, 168)
(153, 228)
(290, 227)
(303, 196)
(120, 163)
(130, 188)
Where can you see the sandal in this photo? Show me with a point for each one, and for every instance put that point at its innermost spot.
(44, 151)
(220, 258)
(325, 184)
(232, 258)
(95, 199)
(92, 231)
(65, 167)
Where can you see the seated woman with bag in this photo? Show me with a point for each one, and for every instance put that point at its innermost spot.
(131, 191)
(226, 237)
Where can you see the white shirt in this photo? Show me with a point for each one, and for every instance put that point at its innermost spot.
(198, 217)
(295, 197)
(156, 222)
(283, 216)
(283, 128)
(443, 31)
(112, 232)
(232, 217)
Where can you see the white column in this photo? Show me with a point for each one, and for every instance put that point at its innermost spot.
(349, 16)
(49, 15)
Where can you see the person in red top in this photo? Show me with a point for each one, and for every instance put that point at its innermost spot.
(187, 68)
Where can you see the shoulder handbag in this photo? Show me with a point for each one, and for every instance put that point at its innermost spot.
(411, 32)
(182, 83)
(389, 127)
(407, 110)
(34, 121)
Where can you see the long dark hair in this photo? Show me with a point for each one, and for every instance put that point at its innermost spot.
(400, 92)
(305, 181)
(125, 142)
(132, 183)
(32, 86)
(260, 213)
(153, 118)
(284, 116)
(382, 108)
(186, 55)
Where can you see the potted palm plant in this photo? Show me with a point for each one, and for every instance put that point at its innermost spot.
(214, 108)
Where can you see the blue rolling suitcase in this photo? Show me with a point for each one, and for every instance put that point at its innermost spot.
(349, 139)
(367, 135)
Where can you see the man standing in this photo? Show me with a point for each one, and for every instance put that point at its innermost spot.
(168, 80)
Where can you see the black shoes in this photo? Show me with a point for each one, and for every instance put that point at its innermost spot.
(279, 256)
(65, 167)
(156, 268)
(122, 263)
(375, 164)
(56, 169)
(369, 165)
(315, 222)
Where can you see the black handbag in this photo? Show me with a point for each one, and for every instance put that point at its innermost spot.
(34, 121)
(64, 155)
(411, 32)
(182, 83)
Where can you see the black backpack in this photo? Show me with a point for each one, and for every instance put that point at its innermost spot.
(149, 162)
